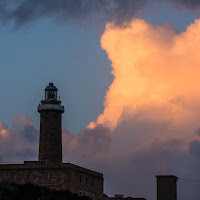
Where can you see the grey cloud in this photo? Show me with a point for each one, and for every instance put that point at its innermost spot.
(198, 132)
(89, 144)
(30, 134)
(23, 127)
(195, 149)
(22, 12)
(26, 154)
(98, 138)
(3, 126)
(188, 4)
(20, 143)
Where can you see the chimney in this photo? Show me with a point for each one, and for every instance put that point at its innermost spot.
(166, 187)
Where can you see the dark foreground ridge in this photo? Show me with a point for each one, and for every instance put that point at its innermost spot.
(29, 191)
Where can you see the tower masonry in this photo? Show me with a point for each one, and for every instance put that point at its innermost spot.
(50, 109)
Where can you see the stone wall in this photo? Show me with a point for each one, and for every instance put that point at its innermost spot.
(77, 179)
(127, 198)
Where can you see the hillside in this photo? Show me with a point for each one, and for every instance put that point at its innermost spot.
(29, 191)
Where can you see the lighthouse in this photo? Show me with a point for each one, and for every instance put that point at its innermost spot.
(49, 170)
(50, 109)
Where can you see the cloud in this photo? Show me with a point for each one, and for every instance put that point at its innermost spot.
(21, 120)
(95, 143)
(152, 107)
(24, 127)
(187, 4)
(23, 12)
(151, 64)
(21, 142)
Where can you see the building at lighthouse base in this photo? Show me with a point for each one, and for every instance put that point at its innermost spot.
(58, 176)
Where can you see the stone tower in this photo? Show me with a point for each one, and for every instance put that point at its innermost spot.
(50, 109)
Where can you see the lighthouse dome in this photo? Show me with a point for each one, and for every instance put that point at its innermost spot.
(51, 92)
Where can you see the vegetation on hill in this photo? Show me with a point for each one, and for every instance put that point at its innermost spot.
(29, 191)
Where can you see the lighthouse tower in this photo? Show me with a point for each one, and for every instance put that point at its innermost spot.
(50, 109)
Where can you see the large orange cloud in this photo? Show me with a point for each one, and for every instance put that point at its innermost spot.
(152, 106)
(153, 66)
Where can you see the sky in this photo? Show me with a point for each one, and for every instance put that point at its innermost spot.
(128, 75)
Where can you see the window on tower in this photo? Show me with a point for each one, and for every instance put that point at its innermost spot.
(30, 176)
(47, 176)
(80, 179)
(50, 94)
(14, 176)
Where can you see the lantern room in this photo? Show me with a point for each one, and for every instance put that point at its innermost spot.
(51, 92)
